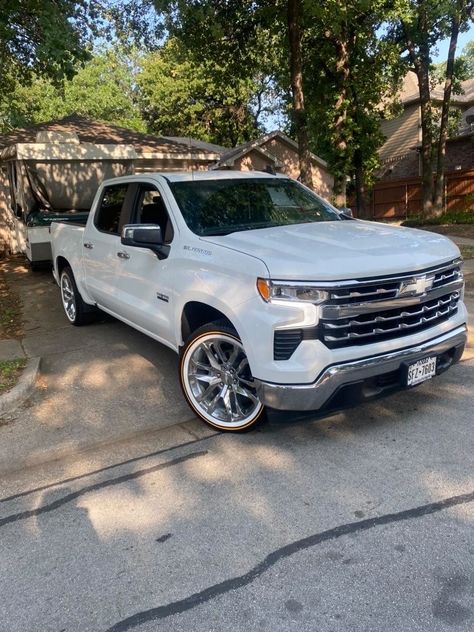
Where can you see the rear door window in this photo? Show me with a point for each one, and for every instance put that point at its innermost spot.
(108, 217)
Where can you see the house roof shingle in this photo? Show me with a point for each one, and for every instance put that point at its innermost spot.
(89, 131)
(409, 91)
(235, 153)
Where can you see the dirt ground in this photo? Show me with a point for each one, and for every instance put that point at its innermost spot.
(11, 324)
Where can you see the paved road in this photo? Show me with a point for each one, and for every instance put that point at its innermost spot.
(361, 522)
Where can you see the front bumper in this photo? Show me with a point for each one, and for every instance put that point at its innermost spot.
(369, 377)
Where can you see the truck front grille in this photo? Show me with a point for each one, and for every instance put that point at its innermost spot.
(369, 328)
(368, 311)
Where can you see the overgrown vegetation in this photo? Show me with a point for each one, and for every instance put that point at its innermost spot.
(10, 371)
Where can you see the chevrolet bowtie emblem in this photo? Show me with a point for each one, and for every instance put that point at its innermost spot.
(416, 286)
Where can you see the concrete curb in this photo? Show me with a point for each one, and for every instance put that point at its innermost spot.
(172, 436)
(12, 399)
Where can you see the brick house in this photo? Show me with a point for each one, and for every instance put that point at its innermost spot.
(397, 193)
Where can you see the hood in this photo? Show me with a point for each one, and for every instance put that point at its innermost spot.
(326, 251)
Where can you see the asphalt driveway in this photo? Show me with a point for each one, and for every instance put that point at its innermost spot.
(102, 383)
(142, 518)
(98, 383)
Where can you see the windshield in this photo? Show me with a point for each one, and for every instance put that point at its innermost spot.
(220, 207)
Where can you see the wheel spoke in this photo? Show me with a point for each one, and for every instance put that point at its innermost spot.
(249, 383)
(220, 353)
(245, 393)
(200, 365)
(210, 356)
(207, 391)
(238, 407)
(210, 379)
(233, 356)
(225, 396)
(243, 363)
(212, 406)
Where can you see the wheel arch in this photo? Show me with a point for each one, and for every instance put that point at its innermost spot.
(61, 263)
(195, 314)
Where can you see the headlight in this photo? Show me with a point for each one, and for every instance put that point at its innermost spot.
(282, 291)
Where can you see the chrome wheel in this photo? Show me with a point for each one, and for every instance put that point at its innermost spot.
(68, 297)
(218, 383)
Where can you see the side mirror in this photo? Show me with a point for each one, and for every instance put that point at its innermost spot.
(145, 236)
(347, 212)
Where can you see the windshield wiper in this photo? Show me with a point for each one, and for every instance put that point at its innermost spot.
(209, 232)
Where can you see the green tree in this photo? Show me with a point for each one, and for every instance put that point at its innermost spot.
(466, 62)
(103, 89)
(295, 19)
(418, 26)
(250, 39)
(42, 36)
(52, 39)
(184, 96)
(326, 59)
(349, 73)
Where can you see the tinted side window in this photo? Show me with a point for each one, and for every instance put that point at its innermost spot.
(151, 209)
(108, 216)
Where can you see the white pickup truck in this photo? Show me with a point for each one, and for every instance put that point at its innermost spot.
(271, 297)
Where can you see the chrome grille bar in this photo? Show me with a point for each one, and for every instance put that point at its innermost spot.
(399, 327)
(404, 314)
(335, 312)
(380, 309)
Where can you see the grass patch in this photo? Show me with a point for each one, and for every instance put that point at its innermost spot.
(10, 371)
(11, 325)
(447, 218)
(467, 252)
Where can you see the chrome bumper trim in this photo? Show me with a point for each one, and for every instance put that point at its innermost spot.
(313, 396)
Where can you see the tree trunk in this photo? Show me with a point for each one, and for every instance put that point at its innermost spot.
(340, 120)
(421, 62)
(361, 202)
(340, 191)
(443, 131)
(426, 139)
(294, 15)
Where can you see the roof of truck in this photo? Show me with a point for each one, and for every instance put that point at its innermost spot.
(194, 176)
(183, 176)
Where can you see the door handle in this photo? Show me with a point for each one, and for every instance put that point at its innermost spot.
(123, 255)
(87, 244)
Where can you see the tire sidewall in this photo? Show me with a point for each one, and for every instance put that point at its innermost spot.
(67, 272)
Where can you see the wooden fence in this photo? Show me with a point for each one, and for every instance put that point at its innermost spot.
(399, 199)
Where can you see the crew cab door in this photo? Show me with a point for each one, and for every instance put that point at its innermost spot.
(143, 281)
(101, 244)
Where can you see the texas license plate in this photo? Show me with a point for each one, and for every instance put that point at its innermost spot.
(421, 370)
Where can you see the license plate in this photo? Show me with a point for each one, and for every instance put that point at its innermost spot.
(421, 370)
